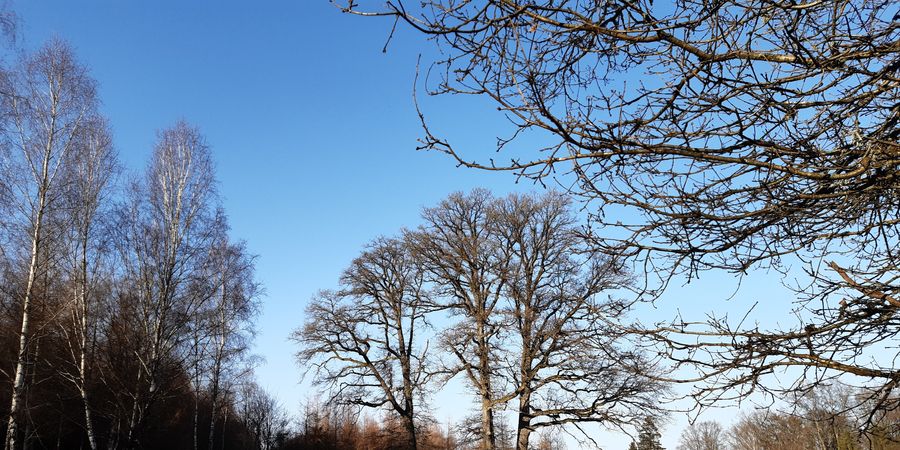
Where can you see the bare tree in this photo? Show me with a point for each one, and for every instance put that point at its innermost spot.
(762, 431)
(93, 164)
(262, 416)
(167, 231)
(470, 432)
(364, 341)
(50, 99)
(821, 418)
(571, 365)
(232, 308)
(197, 359)
(461, 257)
(747, 433)
(706, 435)
(735, 135)
(73, 316)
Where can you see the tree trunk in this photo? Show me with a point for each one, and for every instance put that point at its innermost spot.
(88, 421)
(212, 417)
(487, 424)
(18, 393)
(217, 367)
(488, 437)
(135, 409)
(523, 427)
(224, 424)
(196, 419)
(83, 343)
(410, 425)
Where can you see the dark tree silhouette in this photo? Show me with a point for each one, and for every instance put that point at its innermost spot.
(648, 436)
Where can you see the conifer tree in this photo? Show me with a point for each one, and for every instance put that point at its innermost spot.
(648, 436)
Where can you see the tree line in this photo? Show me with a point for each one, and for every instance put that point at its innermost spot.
(822, 418)
(126, 308)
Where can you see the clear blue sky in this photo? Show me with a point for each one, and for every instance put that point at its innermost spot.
(313, 129)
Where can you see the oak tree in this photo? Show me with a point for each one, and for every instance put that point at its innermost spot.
(364, 341)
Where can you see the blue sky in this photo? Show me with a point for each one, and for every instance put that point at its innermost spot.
(313, 129)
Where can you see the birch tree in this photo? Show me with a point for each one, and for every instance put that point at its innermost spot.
(50, 98)
(167, 233)
(263, 417)
(92, 167)
(233, 305)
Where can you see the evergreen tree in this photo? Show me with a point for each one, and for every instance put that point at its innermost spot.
(648, 436)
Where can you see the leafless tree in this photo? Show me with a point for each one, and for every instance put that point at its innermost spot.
(262, 416)
(363, 342)
(762, 431)
(709, 134)
(570, 365)
(92, 167)
(706, 435)
(50, 99)
(233, 307)
(470, 433)
(461, 257)
(75, 312)
(747, 433)
(167, 231)
(197, 359)
(550, 442)
(822, 418)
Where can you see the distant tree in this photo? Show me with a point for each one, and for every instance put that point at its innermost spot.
(649, 435)
(548, 441)
(363, 342)
(441, 438)
(263, 417)
(819, 419)
(824, 410)
(706, 435)
(770, 430)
